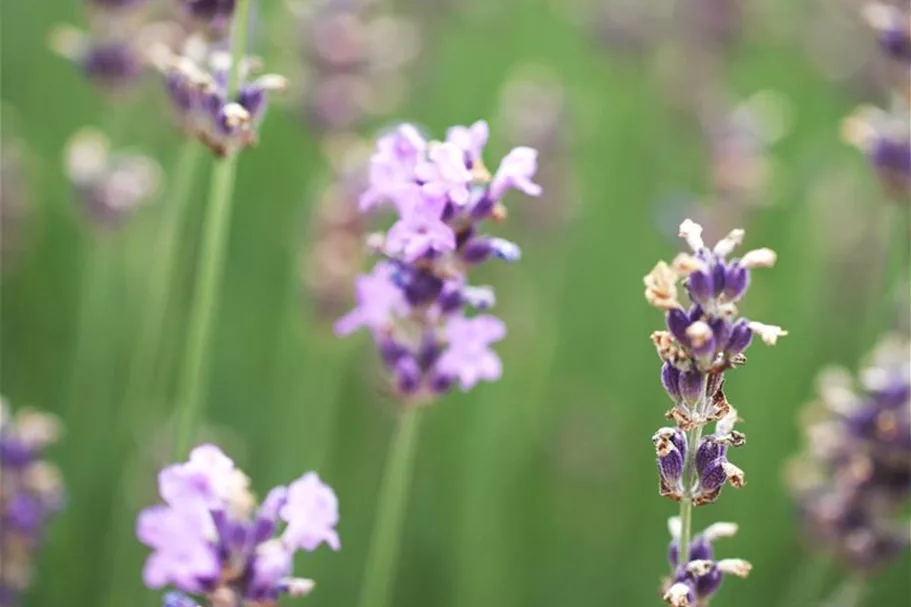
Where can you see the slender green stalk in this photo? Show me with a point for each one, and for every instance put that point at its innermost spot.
(385, 542)
(205, 300)
(211, 265)
(686, 503)
(141, 372)
(148, 343)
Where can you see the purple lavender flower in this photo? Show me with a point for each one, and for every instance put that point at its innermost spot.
(210, 539)
(380, 300)
(199, 98)
(31, 493)
(471, 140)
(469, 357)
(702, 342)
(893, 26)
(111, 185)
(415, 301)
(392, 167)
(712, 468)
(113, 63)
(707, 337)
(443, 174)
(885, 138)
(211, 16)
(353, 57)
(855, 473)
(694, 582)
(421, 231)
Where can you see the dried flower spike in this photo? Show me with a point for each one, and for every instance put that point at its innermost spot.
(210, 539)
(31, 493)
(855, 474)
(708, 337)
(415, 300)
(701, 343)
(198, 93)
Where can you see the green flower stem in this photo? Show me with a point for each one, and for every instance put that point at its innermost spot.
(686, 503)
(383, 555)
(141, 372)
(148, 344)
(211, 266)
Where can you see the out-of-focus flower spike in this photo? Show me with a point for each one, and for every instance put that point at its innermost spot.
(207, 543)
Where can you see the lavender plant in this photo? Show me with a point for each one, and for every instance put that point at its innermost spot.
(233, 108)
(429, 324)
(334, 253)
(198, 90)
(354, 52)
(852, 482)
(111, 52)
(31, 493)
(210, 539)
(111, 184)
(212, 17)
(884, 135)
(702, 342)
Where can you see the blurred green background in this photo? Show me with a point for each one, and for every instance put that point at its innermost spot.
(539, 489)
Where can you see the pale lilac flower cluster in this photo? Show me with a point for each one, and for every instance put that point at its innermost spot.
(209, 538)
(853, 480)
(110, 184)
(696, 581)
(197, 84)
(334, 253)
(354, 53)
(111, 50)
(703, 340)
(31, 493)
(211, 16)
(415, 300)
(884, 136)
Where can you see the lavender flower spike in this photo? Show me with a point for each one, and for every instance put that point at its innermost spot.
(695, 581)
(708, 337)
(211, 540)
(199, 96)
(111, 184)
(855, 473)
(417, 302)
(31, 493)
(703, 340)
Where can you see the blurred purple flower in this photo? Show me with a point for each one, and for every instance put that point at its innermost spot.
(468, 356)
(443, 194)
(31, 493)
(379, 300)
(209, 538)
(420, 232)
(443, 174)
